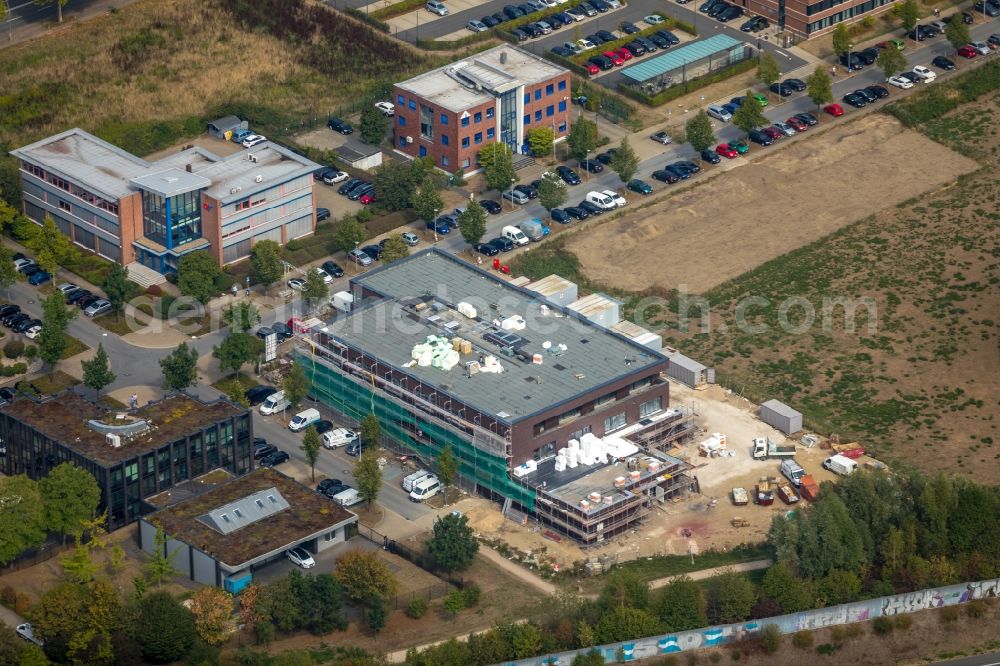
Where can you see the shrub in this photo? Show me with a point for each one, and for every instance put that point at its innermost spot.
(715, 657)
(826, 649)
(976, 608)
(154, 290)
(949, 613)
(802, 639)
(770, 638)
(22, 604)
(471, 594)
(30, 352)
(882, 626)
(294, 245)
(20, 368)
(417, 608)
(263, 632)
(7, 371)
(8, 597)
(13, 349)
(903, 622)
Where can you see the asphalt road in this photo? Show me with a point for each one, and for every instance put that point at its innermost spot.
(992, 659)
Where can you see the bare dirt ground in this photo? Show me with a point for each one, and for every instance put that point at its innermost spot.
(708, 234)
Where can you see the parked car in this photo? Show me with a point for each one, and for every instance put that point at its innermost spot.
(516, 196)
(639, 186)
(807, 118)
(785, 128)
(780, 89)
(568, 176)
(486, 249)
(240, 134)
(899, 82)
(436, 7)
(855, 100)
(67, 288)
(329, 487)
(710, 156)
(665, 176)
(263, 449)
(258, 394)
(982, 48)
(274, 458)
(943, 63)
(560, 216)
(25, 324)
(322, 214)
(968, 52)
(576, 212)
(628, 28)
(662, 137)
(797, 124)
(475, 25)
(502, 244)
(252, 140)
(593, 166)
(606, 157)
(492, 207)
(760, 138)
(719, 113)
(834, 110)
(359, 257)
(726, 151)
(880, 92)
(39, 277)
(926, 74)
(439, 226)
(373, 251)
(340, 126)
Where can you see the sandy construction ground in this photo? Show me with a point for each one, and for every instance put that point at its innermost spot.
(716, 231)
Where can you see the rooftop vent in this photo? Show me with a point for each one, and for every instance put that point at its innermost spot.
(187, 167)
(503, 57)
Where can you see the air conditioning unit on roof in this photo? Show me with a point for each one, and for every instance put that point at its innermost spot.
(258, 179)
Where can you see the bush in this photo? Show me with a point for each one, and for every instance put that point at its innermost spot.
(30, 352)
(23, 604)
(13, 349)
(903, 622)
(8, 597)
(20, 368)
(397, 9)
(770, 638)
(263, 632)
(154, 290)
(224, 282)
(294, 245)
(802, 639)
(471, 594)
(882, 626)
(7, 371)
(976, 608)
(936, 101)
(949, 613)
(417, 608)
(826, 649)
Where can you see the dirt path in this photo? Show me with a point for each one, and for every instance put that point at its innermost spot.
(714, 571)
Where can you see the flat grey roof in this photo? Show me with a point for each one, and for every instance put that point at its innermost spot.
(781, 408)
(389, 329)
(170, 182)
(273, 164)
(454, 86)
(675, 59)
(687, 363)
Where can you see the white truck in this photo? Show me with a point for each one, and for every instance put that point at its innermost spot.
(343, 301)
(841, 465)
(514, 235)
(764, 448)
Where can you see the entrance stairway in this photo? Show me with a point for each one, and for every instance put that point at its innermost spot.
(143, 276)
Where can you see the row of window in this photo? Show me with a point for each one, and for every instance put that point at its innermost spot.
(81, 213)
(89, 197)
(844, 15)
(549, 90)
(550, 111)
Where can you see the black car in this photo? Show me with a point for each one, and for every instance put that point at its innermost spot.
(322, 214)
(333, 269)
(527, 190)
(600, 6)
(591, 209)
(561, 51)
(259, 394)
(635, 48)
(660, 41)
(649, 45)
(943, 63)
(486, 249)
(532, 30)
(760, 138)
(603, 62)
(665, 176)
(754, 24)
(283, 330)
(693, 167)
(519, 34)
(855, 100)
(372, 251)
(729, 14)
(490, 21)
(576, 212)
(492, 207)
(568, 175)
(592, 166)
(526, 8)
(502, 244)
(680, 171)
(30, 269)
(669, 36)
(338, 125)
(594, 39)
(709, 5)
(807, 118)
(12, 320)
(330, 487)
(780, 89)
(86, 301)
(560, 216)
(717, 10)
(880, 92)
(854, 62)
(323, 426)
(263, 450)
(25, 324)
(322, 172)
(710, 156)
(629, 28)
(348, 188)
(264, 332)
(910, 76)
(606, 36)
(274, 458)
(6, 395)
(6, 310)
(512, 12)
(358, 192)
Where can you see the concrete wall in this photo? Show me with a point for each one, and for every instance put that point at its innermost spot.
(203, 568)
(861, 611)
(336, 536)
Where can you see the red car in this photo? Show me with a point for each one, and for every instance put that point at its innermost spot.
(724, 150)
(624, 53)
(773, 132)
(968, 52)
(834, 109)
(367, 199)
(797, 124)
(591, 68)
(614, 57)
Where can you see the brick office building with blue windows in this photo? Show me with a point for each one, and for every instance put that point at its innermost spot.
(498, 95)
(127, 209)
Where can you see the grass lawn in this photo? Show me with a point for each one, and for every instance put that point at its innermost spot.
(113, 323)
(111, 403)
(57, 382)
(73, 347)
(651, 568)
(235, 387)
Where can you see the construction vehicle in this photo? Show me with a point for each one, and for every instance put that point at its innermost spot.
(764, 448)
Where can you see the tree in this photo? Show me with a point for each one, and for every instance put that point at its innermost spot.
(841, 40)
(624, 589)
(296, 384)
(447, 468)
(622, 624)
(349, 234)
(681, 605)
(314, 290)
(750, 115)
(8, 274)
(76, 622)
(454, 603)
(768, 71)
(373, 125)
(498, 166)
(58, 3)
(770, 638)
(730, 597)
(699, 131)
(957, 33)
(196, 275)
(427, 202)
(265, 262)
(892, 61)
(70, 496)
(541, 140)
(180, 368)
(909, 14)
(454, 545)
(364, 576)
(394, 249)
(838, 587)
(318, 600)
(368, 475)
(241, 316)
(551, 192)
(394, 185)
(213, 614)
(237, 349)
(370, 430)
(160, 565)
(117, 287)
(97, 371)
(376, 614)
(582, 138)
(422, 168)
(784, 588)
(592, 658)
(472, 223)
(164, 629)
(52, 247)
(11, 645)
(311, 446)
(52, 341)
(819, 87)
(21, 518)
(625, 162)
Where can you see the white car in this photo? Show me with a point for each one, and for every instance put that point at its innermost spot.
(614, 4)
(253, 140)
(617, 198)
(301, 557)
(981, 47)
(387, 108)
(719, 113)
(784, 128)
(900, 82)
(544, 27)
(33, 332)
(338, 437)
(21, 263)
(335, 177)
(67, 288)
(925, 74)
(653, 19)
(327, 278)
(296, 284)
(585, 45)
(27, 632)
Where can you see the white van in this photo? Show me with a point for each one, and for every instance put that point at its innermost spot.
(515, 235)
(274, 403)
(339, 437)
(348, 497)
(841, 465)
(303, 420)
(425, 489)
(411, 480)
(601, 200)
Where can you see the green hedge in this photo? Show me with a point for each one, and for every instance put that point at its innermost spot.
(674, 92)
(937, 100)
(397, 9)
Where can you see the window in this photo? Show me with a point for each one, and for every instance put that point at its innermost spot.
(538, 115)
(615, 422)
(527, 119)
(466, 163)
(444, 119)
(562, 85)
(426, 122)
(543, 452)
(490, 112)
(65, 206)
(566, 417)
(402, 100)
(549, 89)
(478, 118)
(527, 98)
(605, 399)
(479, 137)
(490, 133)
(550, 111)
(562, 106)
(640, 384)
(330, 536)
(562, 128)
(413, 105)
(444, 161)
(402, 121)
(444, 139)
(465, 121)
(402, 142)
(650, 407)
(538, 94)
(581, 432)
(465, 142)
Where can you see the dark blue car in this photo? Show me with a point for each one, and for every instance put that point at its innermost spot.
(39, 278)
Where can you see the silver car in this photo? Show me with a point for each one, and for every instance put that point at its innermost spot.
(359, 257)
(784, 128)
(410, 238)
(719, 113)
(98, 307)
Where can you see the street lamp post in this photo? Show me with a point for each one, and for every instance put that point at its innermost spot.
(434, 225)
(849, 47)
